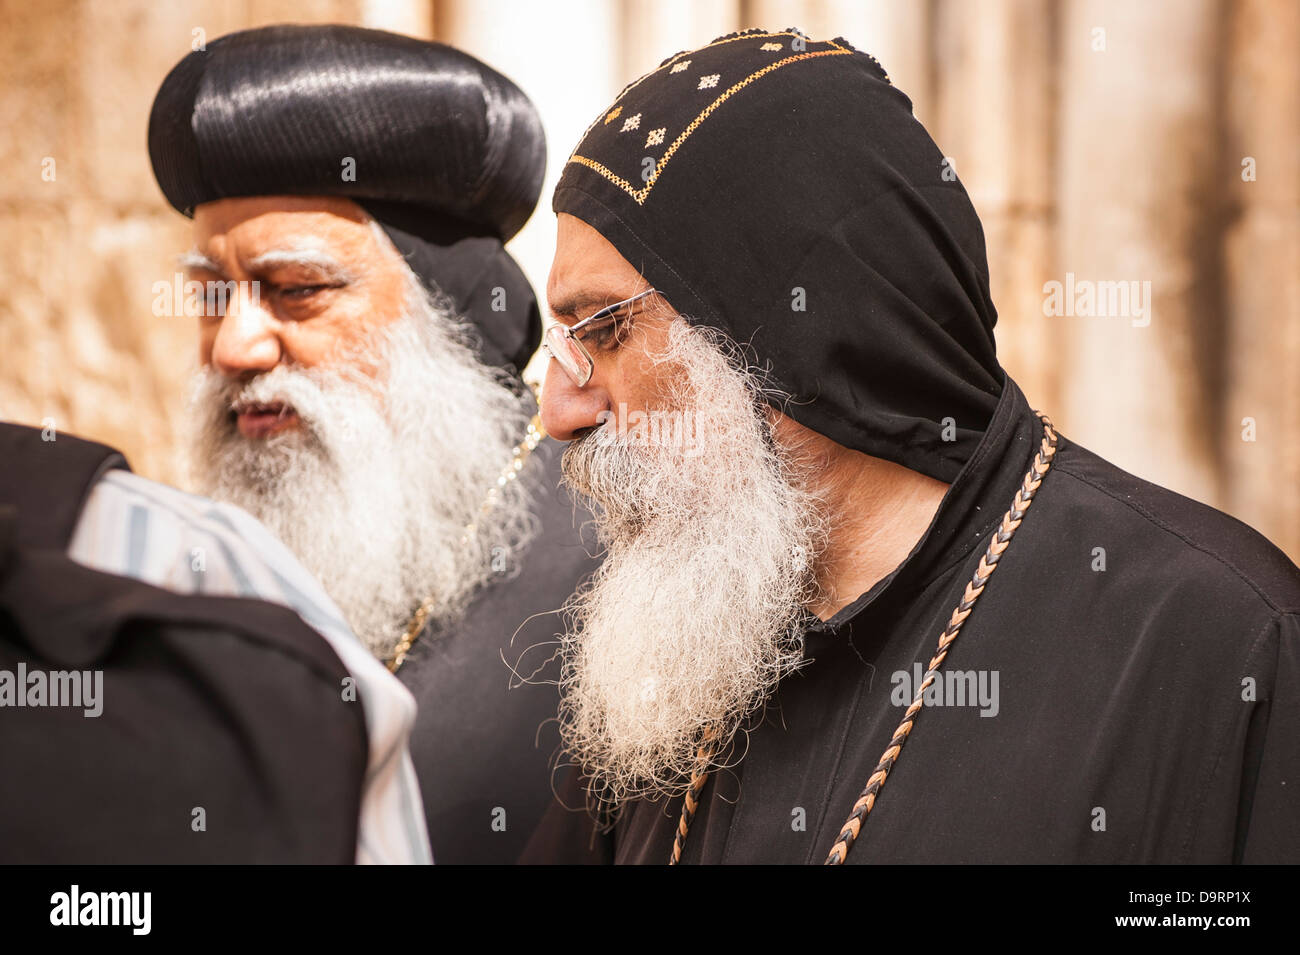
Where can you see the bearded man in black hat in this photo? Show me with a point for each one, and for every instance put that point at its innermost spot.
(851, 607)
(360, 390)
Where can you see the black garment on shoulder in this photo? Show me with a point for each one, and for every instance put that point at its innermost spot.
(1147, 712)
(483, 739)
(228, 705)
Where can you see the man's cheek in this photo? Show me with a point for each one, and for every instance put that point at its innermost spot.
(304, 346)
(336, 340)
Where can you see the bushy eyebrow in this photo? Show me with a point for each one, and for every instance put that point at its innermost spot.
(314, 258)
(273, 259)
(579, 305)
(194, 260)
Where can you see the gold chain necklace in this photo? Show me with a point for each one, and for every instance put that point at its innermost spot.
(519, 454)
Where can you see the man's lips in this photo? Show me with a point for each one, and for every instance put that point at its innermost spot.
(261, 421)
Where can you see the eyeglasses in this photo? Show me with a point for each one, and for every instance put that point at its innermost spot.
(563, 344)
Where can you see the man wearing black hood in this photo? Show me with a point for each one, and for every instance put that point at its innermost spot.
(859, 602)
(361, 339)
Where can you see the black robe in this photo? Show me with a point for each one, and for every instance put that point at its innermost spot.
(481, 749)
(1147, 712)
(228, 704)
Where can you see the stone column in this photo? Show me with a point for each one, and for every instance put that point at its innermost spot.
(1137, 182)
(995, 119)
(566, 56)
(1260, 173)
(653, 30)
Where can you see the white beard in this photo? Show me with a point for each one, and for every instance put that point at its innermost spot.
(374, 491)
(694, 616)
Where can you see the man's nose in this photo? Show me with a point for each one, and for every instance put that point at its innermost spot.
(568, 409)
(247, 341)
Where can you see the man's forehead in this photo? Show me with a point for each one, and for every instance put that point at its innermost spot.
(298, 244)
(588, 272)
(264, 226)
(326, 220)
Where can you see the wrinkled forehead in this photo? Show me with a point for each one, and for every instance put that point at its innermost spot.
(327, 230)
(587, 273)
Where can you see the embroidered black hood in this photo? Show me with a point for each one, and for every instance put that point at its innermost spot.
(780, 189)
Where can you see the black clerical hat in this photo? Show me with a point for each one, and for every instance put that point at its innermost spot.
(444, 151)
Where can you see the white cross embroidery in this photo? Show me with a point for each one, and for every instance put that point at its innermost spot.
(656, 136)
(770, 47)
(632, 122)
(707, 82)
(679, 67)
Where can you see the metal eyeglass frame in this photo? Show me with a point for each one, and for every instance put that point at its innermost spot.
(562, 341)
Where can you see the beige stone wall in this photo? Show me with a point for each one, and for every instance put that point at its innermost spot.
(1099, 137)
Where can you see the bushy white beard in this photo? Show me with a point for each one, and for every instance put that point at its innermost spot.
(694, 616)
(375, 490)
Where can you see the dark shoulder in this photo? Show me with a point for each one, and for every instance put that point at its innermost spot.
(1180, 536)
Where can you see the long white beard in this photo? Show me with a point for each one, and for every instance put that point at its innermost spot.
(694, 616)
(375, 490)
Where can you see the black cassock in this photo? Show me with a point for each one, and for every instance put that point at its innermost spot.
(482, 744)
(1145, 712)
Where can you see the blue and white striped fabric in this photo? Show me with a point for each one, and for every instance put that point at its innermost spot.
(138, 528)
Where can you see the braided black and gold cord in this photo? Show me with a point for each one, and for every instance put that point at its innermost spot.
(692, 800)
(988, 563)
